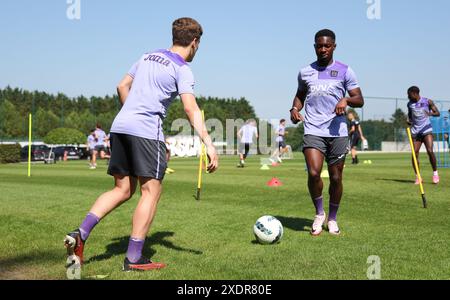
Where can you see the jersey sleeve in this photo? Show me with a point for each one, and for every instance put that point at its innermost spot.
(185, 81)
(133, 70)
(351, 82)
(302, 87)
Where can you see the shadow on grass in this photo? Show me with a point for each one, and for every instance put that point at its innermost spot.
(25, 266)
(119, 246)
(297, 224)
(396, 180)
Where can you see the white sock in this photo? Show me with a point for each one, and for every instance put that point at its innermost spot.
(435, 173)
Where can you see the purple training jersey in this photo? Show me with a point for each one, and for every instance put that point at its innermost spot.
(325, 87)
(419, 115)
(158, 78)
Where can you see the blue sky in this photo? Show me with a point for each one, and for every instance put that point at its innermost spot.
(251, 49)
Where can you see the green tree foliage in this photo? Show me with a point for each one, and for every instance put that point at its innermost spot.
(12, 121)
(377, 132)
(46, 121)
(9, 153)
(81, 113)
(65, 136)
(399, 118)
(294, 137)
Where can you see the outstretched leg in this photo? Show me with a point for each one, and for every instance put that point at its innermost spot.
(123, 190)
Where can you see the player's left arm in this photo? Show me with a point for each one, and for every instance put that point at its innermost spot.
(123, 88)
(355, 98)
(360, 132)
(434, 110)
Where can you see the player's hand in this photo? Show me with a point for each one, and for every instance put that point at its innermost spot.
(341, 107)
(213, 159)
(296, 116)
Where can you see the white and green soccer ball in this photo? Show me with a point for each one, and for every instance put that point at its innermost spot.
(268, 230)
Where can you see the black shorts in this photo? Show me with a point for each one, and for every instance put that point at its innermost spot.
(334, 149)
(355, 139)
(99, 148)
(281, 145)
(419, 137)
(137, 157)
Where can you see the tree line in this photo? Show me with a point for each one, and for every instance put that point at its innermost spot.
(54, 111)
(82, 113)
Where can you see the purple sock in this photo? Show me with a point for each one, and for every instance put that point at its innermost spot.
(134, 252)
(318, 203)
(88, 224)
(333, 211)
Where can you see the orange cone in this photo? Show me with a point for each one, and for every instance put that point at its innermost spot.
(274, 182)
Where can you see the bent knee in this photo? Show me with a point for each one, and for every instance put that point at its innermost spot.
(336, 179)
(314, 175)
(125, 192)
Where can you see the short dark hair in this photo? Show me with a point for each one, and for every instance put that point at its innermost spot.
(325, 32)
(185, 30)
(414, 89)
(282, 120)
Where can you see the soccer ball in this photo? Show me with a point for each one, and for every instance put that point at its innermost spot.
(268, 230)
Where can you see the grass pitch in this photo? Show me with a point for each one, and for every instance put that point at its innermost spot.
(381, 214)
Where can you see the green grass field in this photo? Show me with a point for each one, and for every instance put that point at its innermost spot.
(381, 214)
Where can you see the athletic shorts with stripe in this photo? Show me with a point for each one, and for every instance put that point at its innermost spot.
(137, 157)
(335, 149)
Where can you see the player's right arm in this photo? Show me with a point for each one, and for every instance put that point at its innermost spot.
(299, 101)
(239, 133)
(195, 117)
(409, 117)
(352, 129)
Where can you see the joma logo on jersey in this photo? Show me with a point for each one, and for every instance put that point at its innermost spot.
(320, 88)
(158, 59)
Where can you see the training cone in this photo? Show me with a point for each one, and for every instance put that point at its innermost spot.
(274, 182)
(265, 167)
(325, 174)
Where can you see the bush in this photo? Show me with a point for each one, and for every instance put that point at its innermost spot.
(65, 136)
(9, 153)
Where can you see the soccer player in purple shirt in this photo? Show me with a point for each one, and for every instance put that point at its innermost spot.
(137, 141)
(322, 89)
(419, 111)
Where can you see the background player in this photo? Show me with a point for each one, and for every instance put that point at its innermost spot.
(322, 88)
(245, 136)
(419, 111)
(356, 136)
(137, 141)
(281, 143)
(92, 142)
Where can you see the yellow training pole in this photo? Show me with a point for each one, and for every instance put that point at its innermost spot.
(416, 166)
(29, 145)
(202, 153)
